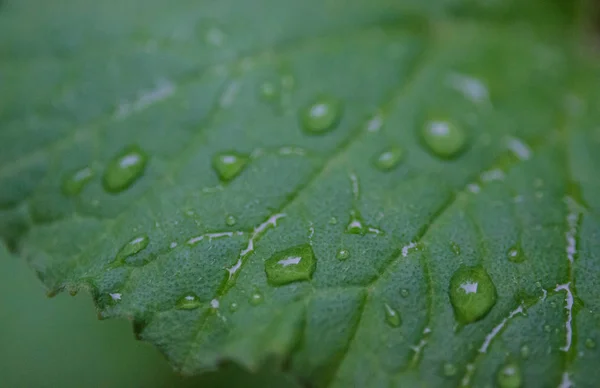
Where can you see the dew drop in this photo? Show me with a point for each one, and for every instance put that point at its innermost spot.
(124, 169)
(509, 376)
(455, 248)
(74, 183)
(333, 221)
(230, 220)
(256, 298)
(269, 91)
(188, 302)
(547, 328)
(389, 159)
(233, 306)
(291, 265)
(229, 164)
(525, 352)
(472, 294)
(132, 247)
(356, 224)
(404, 293)
(590, 343)
(392, 316)
(444, 139)
(343, 254)
(321, 115)
(450, 369)
(515, 254)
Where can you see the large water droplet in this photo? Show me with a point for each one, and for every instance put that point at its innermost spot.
(515, 254)
(472, 294)
(392, 316)
(343, 254)
(389, 158)
(229, 164)
(509, 376)
(450, 369)
(443, 138)
(132, 247)
(188, 302)
(124, 169)
(321, 115)
(356, 225)
(293, 264)
(74, 183)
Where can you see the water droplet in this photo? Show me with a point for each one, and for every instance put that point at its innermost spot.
(74, 183)
(590, 343)
(229, 164)
(333, 221)
(188, 302)
(356, 224)
(392, 316)
(404, 293)
(509, 376)
(389, 159)
(322, 115)
(455, 248)
(443, 138)
(233, 306)
(525, 351)
(269, 91)
(343, 254)
(124, 169)
(291, 265)
(515, 254)
(538, 284)
(450, 369)
(230, 220)
(472, 294)
(256, 298)
(553, 304)
(132, 247)
(547, 328)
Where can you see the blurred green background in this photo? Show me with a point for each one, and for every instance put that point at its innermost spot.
(59, 342)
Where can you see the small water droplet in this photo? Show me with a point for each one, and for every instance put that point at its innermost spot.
(455, 248)
(269, 91)
(256, 298)
(333, 221)
(321, 115)
(233, 306)
(515, 254)
(356, 224)
(389, 159)
(472, 294)
(509, 376)
(590, 343)
(124, 169)
(525, 351)
(229, 164)
(443, 138)
(230, 220)
(74, 183)
(538, 284)
(132, 247)
(553, 304)
(188, 302)
(404, 293)
(547, 328)
(450, 369)
(343, 254)
(392, 316)
(291, 265)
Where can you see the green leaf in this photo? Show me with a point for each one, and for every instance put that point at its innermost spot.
(367, 193)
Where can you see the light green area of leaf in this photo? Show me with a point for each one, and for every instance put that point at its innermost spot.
(261, 122)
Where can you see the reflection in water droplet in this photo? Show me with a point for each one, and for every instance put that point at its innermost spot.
(322, 115)
(389, 159)
(124, 169)
(515, 254)
(229, 164)
(590, 343)
(356, 224)
(343, 254)
(509, 376)
(230, 220)
(188, 302)
(392, 316)
(74, 183)
(472, 294)
(525, 351)
(455, 248)
(450, 369)
(404, 293)
(443, 138)
(291, 265)
(256, 298)
(132, 247)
